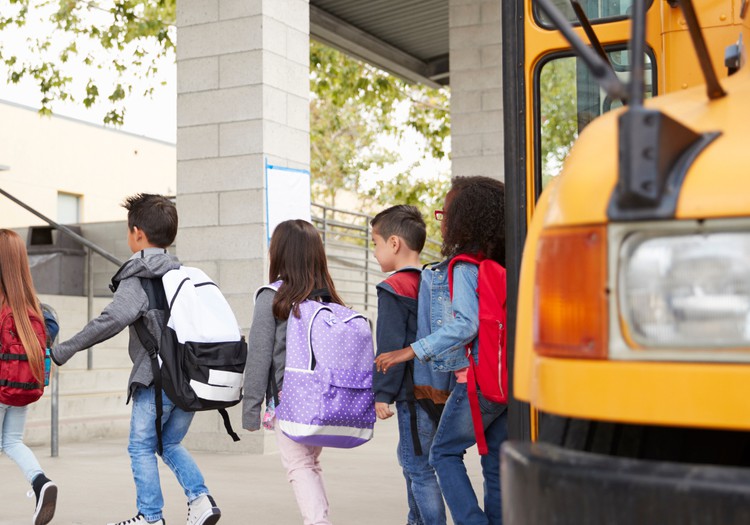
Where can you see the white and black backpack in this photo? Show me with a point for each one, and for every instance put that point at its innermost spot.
(200, 360)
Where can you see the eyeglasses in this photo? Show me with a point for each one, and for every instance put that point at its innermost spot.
(439, 214)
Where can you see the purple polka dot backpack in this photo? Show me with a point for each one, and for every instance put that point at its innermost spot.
(327, 395)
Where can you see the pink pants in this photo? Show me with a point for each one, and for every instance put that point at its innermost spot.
(304, 473)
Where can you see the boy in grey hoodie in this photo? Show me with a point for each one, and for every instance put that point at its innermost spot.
(152, 227)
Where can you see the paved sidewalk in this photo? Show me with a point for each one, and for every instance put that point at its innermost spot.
(365, 485)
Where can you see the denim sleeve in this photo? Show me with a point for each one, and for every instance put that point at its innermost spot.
(390, 336)
(453, 337)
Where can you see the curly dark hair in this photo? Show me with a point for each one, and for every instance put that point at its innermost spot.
(475, 218)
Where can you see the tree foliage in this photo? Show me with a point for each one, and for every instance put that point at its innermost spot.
(353, 105)
(95, 33)
(558, 113)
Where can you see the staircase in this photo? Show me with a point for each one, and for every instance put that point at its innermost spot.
(91, 402)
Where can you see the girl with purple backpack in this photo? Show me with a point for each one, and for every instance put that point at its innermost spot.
(473, 223)
(297, 258)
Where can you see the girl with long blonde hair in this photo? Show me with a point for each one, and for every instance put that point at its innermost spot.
(21, 321)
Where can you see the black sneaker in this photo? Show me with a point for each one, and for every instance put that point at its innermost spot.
(46, 499)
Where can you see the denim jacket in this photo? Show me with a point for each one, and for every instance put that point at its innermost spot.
(452, 325)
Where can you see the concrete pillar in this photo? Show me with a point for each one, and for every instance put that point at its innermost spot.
(476, 88)
(243, 99)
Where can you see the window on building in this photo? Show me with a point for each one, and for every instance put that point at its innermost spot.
(68, 208)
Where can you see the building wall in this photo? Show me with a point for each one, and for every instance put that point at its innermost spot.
(47, 155)
(242, 101)
(476, 88)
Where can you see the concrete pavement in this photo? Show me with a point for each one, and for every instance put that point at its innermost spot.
(365, 485)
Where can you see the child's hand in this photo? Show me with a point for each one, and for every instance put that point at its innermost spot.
(383, 410)
(385, 361)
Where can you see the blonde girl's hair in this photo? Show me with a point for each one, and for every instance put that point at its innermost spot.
(18, 293)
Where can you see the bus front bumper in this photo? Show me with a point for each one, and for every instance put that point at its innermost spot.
(547, 485)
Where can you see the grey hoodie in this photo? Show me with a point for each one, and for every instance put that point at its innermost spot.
(266, 348)
(129, 303)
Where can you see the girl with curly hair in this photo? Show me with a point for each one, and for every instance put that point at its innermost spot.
(472, 223)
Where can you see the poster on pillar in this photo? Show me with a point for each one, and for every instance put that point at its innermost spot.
(287, 195)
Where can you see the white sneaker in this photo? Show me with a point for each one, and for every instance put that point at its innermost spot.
(138, 520)
(203, 511)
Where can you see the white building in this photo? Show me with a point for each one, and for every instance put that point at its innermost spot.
(73, 171)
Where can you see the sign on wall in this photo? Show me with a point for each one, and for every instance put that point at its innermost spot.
(287, 195)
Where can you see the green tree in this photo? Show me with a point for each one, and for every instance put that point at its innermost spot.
(352, 105)
(558, 114)
(95, 33)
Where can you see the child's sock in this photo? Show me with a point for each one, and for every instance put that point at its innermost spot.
(37, 483)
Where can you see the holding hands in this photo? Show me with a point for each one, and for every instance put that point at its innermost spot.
(383, 410)
(385, 361)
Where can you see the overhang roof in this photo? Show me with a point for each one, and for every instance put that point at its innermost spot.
(408, 38)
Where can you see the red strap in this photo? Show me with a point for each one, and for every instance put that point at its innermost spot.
(476, 412)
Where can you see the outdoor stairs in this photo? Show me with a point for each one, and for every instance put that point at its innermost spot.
(91, 402)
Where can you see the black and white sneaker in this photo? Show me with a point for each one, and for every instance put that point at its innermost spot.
(46, 499)
(138, 520)
(203, 511)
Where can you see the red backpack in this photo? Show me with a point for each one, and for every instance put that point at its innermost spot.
(490, 373)
(17, 384)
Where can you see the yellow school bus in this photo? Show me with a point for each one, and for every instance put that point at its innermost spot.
(628, 211)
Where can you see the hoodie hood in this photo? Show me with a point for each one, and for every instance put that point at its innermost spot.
(150, 263)
(404, 285)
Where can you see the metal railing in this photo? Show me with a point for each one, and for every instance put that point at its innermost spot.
(91, 248)
(351, 260)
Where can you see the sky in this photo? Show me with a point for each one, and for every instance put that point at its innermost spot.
(155, 116)
(151, 116)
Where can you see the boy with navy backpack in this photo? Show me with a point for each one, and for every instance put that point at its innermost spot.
(152, 227)
(398, 234)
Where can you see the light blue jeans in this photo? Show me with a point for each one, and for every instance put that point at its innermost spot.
(455, 434)
(426, 505)
(12, 423)
(142, 449)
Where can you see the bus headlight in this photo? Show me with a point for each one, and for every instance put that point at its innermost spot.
(690, 290)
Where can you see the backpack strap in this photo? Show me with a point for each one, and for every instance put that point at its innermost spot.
(404, 283)
(476, 412)
(149, 343)
(411, 403)
(16, 384)
(228, 424)
(471, 381)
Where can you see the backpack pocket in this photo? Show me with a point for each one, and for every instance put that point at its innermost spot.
(347, 397)
(206, 375)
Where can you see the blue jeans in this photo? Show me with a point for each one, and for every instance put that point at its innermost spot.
(455, 434)
(12, 422)
(142, 449)
(426, 505)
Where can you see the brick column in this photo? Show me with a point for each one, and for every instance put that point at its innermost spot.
(476, 88)
(243, 98)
